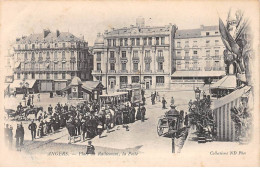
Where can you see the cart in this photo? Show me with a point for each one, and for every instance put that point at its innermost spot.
(167, 125)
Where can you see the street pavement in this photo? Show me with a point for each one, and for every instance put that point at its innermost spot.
(142, 137)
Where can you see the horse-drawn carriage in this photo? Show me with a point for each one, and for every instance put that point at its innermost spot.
(168, 124)
(23, 112)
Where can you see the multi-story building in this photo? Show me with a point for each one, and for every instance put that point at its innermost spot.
(52, 59)
(198, 55)
(135, 54)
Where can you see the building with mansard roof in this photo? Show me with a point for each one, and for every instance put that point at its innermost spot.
(135, 54)
(51, 59)
(198, 55)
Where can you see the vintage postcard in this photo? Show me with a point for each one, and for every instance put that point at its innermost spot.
(129, 83)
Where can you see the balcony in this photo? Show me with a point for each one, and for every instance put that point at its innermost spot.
(112, 71)
(147, 59)
(195, 57)
(63, 59)
(186, 57)
(98, 59)
(160, 71)
(96, 71)
(123, 71)
(208, 68)
(123, 60)
(160, 59)
(112, 60)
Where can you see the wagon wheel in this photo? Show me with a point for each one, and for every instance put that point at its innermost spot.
(159, 128)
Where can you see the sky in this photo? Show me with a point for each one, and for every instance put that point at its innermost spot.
(91, 17)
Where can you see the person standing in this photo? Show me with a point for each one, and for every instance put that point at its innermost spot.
(19, 135)
(32, 98)
(143, 110)
(90, 149)
(163, 103)
(172, 101)
(6, 134)
(143, 98)
(29, 101)
(39, 97)
(10, 135)
(32, 127)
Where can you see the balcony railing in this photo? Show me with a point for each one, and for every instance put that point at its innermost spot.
(186, 57)
(148, 71)
(96, 71)
(178, 57)
(208, 68)
(111, 71)
(160, 59)
(217, 57)
(195, 57)
(160, 71)
(123, 71)
(147, 59)
(123, 60)
(112, 60)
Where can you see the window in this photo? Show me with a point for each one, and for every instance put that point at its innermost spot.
(147, 66)
(55, 76)
(216, 64)
(195, 52)
(135, 54)
(207, 63)
(178, 65)
(40, 46)
(186, 53)
(216, 53)
(25, 76)
(55, 55)
(112, 54)
(40, 75)
(33, 46)
(98, 66)
(207, 53)
(187, 65)
(114, 42)
(33, 56)
(25, 56)
(123, 66)
(48, 45)
(63, 45)
(216, 32)
(179, 44)
(72, 75)
(132, 41)
(207, 43)
(162, 40)
(138, 41)
(157, 40)
(32, 66)
(195, 65)
(160, 53)
(195, 43)
(126, 43)
(178, 53)
(72, 45)
(123, 54)
(109, 42)
(18, 76)
(56, 45)
(135, 65)
(207, 33)
(26, 46)
(145, 41)
(150, 41)
(63, 55)
(186, 43)
(63, 66)
(55, 66)
(48, 55)
(63, 75)
(72, 54)
(147, 53)
(19, 47)
(159, 80)
(160, 66)
(112, 66)
(135, 79)
(99, 56)
(121, 41)
(216, 42)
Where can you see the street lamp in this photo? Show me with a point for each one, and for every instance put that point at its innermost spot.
(197, 93)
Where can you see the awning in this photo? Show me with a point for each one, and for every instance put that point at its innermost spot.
(227, 82)
(198, 73)
(17, 83)
(17, 64)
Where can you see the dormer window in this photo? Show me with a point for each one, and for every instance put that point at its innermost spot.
(207, 33)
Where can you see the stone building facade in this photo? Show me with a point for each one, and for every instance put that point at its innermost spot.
(52, 59)
(135, 54)
(198, 55)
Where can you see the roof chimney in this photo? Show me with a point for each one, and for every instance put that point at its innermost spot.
(57, 33)
(46, 32)
(140, 22)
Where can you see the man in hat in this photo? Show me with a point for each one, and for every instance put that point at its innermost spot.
(90, 149)
(32, 127)
(164, 103)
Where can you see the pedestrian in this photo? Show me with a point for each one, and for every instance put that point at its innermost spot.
(138, 114)
(10, 136)
(153, 98)
(100, 128)
(29, 101)
(163, 103)
(90, 149)
(143, 110)
(19, 135)
(143, 98)
(6, 134)
(50, 109)
(39, 97)
(172, 101)
(32, 98)
(32, 127)
(186, 120)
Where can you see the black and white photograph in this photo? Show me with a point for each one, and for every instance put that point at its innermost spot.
(129, 83)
